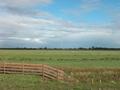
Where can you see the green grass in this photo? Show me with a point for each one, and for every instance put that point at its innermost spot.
(72, 62)
(31, 82)
(28, 82)
(79, 59)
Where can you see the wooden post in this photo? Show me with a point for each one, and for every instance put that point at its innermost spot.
(4, 67)
(92, 81)
(23, 68)
(43, 71)
(57, 74)
(100, 81)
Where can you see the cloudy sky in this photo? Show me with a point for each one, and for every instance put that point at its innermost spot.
(59, 23)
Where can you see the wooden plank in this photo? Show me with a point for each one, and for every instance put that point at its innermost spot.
(50, 77)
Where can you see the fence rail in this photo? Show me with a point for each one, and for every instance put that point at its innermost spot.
(38, 69)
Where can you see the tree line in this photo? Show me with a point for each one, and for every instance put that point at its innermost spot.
(46, 48)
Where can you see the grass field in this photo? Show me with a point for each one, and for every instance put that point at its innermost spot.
(93, 70)
(80, 59)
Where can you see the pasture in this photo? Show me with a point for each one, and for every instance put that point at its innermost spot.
(93, 70)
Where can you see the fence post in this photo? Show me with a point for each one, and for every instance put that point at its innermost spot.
(43, 71)
(92, 81)
(23, 68)
(4, 67)
(57, 74)
(100, 81)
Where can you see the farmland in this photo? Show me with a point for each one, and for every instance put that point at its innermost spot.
(93, 70)
(74, 59)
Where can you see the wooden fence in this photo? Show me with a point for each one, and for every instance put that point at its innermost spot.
(37, 69)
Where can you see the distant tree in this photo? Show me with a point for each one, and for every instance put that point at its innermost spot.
(45, 48)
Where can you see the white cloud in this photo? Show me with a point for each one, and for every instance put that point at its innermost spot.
(40, 31)
(33, 40)
(17, 3)
(24, 7)
(20, 26)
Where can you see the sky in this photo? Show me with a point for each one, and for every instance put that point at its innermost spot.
(59, 23)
